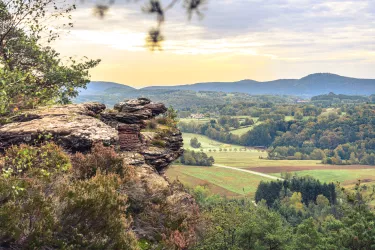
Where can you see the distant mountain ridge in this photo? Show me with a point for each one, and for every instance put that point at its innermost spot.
(314, 84)
(97, 87)
(311, 85)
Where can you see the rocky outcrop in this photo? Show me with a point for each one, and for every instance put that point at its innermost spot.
(133, 112)
(155, 204)
(160, 158)
(74, 127)
(130, 117)
(77, 127)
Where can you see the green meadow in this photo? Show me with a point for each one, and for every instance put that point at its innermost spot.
(232, 183)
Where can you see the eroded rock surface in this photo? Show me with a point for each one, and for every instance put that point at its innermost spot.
(154, 202)
(74, 127)
(77, 127)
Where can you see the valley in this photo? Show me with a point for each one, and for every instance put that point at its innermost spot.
(235, 181)
(232, 183)
(187, 125)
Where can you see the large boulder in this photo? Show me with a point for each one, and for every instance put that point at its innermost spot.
(74, 127)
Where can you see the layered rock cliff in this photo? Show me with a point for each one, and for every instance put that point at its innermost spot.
(77, 128)
(148, 150)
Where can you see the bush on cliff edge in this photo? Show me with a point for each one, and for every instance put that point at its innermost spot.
(43, 205)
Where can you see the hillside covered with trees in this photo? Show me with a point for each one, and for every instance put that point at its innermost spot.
(337, 132)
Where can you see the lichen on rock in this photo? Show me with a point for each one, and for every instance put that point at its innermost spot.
(73, 127)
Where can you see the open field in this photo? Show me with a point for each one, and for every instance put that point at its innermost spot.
(203, 120)
(234, 183)
(250, 159)
(301, 167)
(344, 176)
(178, 173)
(242, 131)
(207, 143)
(238, 183)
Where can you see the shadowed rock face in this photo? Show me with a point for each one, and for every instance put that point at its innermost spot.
(129, 119)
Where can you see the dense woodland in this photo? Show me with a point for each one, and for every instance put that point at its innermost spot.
(193, 158)
(295, 220)
(334, 130)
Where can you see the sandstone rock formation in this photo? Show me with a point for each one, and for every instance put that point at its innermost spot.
(74, 127)
(77, 128)
(129, 118)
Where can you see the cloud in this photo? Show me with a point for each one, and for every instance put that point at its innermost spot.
(302, 31)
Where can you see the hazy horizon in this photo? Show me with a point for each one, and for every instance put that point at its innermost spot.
(181, 84)
(252, 39)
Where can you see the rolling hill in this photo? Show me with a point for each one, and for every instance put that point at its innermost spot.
(214, 93)
(97, 88)
(314, 84)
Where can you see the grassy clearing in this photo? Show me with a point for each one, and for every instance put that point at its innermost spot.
(346, 177)
(234, 181)
(207, 143)
(242, 131)
(327, 111)
(251, 159)
(200, 121)
(178, 173)
(290, 118)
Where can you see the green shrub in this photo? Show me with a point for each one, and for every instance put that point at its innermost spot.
(193, 158)
(195, 143)
(27, 161)
(101, 158)
(61, 212)
(94, 215)
(158, 143)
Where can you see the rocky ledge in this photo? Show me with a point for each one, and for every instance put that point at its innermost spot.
(147, 146)
(78, 127)
(74, 127)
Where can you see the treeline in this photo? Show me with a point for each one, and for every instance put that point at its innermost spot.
(219, 129)
(292, 222)
(263, 107)
(308, 187)
(192, 158)
(237, 104)
(347, 139)
(213, 130)
(341, 136)
(332, 98)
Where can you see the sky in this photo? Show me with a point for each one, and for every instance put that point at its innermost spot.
(235, 40)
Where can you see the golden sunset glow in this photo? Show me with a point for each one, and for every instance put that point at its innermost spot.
(228, 44)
